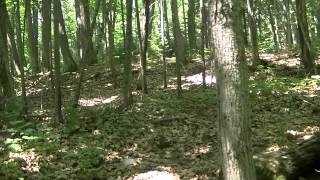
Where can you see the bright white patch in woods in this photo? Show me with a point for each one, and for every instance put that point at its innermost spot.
(97, 101)
(155, 175)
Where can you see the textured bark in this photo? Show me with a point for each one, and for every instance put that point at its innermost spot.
(304, 38)
(57, 75)
(166, 21)
(253, 34)
(163, 45)
(35, 18)
(122, 21)
(274, 28)
(178, 44)
(86, 33)
(111, 20)
(192, 26)
(46, 35)
(6, 87)
(127, 90)
(32, 42)
(233, 110)
(289, 38)
(203, 32)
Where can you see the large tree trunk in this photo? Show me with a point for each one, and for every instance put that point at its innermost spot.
(304, 39)
(127, 89)
(163, 45)
(288, 23)
(57, 78)
(86, 33)
(192, 26)
(6, 87)
(253, 34)
(274, 28)
(70, 65)
(32, 42)
(178, 44)
(46, 35)
(35, 24)
(233, 110)
(166, 21)
(203, 32)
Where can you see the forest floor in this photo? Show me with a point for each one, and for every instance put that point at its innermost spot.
(160, 135)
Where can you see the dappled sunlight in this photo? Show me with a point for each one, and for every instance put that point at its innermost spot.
(305, 134)
(97, 101)
(283, 59)
(155, 175)
(30, 160)
(198, 150)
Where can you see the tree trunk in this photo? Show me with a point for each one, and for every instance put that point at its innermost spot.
(57, 78)
(35, 31)
(6, 87)
(127, 90)
(111, 18)
(178, 44)
(46, 34)
(304, 39)
(245, 29)
(192, 26)
(163, 45)
(203, 32)
(166, 21)
(253, 34)
(32, 42)
(274, 29)
(86, 33)
(288, 24)
(233, 110)
(122, 21)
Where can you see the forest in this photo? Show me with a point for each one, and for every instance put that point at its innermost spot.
(160, 89)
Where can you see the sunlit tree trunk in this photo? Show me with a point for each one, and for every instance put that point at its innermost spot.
(253, 33)
(233, 109)
(304, 38)
(192, 26)
(203, 32)
(178, 44)
(46, 34)
(57, 75)
(166, 21)
(122, 21)
(163, 45)
(127, 89)
(288, 22)
(6, 86)
(274, 28)
(32, 42)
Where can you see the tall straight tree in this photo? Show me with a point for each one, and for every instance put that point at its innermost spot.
(192, 26)
(233, 109)
(46, 34)
(84, 25)
(178, 44)
(253, 34)
(6, 87)
(274, 27)
(203, 32)
(288, 23)
(69, 63)
(127, 90)
(163, 45)
(304, 38)
(32, 41)
(57, 78)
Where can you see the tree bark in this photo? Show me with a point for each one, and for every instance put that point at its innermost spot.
(274, 29)
(163, 45)
(127, 90)
(288, 22)
(178, 43)
(233, 110)
(304, 38)
(57, 75)
(192, 26)
(46, 35)
(253, 34)
(32, 42)
(203, 32)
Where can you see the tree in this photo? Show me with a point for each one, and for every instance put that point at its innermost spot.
(32, 41)
(163, 45)
(6, 87)
(233, 120)
(304, 38)
(178, 43)
(288, 23)
(253, 33)
(46, 34)
(127, 92)
(203, 32)
(192, 26)
(57, 75)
